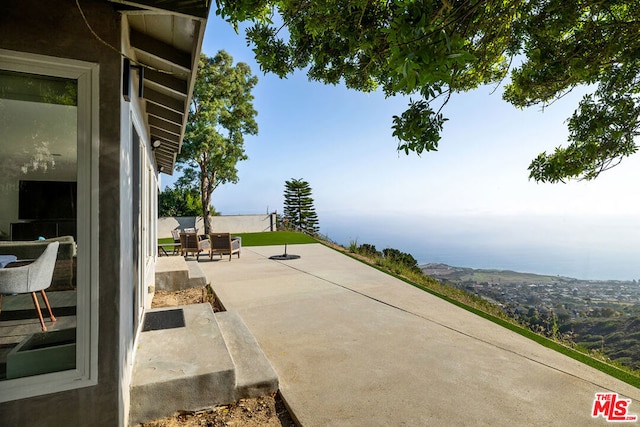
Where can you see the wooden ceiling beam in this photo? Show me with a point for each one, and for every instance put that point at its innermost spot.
(159, 133)
(166, 101)
(173, 128)
(160, 51)
(163, 83)
(165, 114)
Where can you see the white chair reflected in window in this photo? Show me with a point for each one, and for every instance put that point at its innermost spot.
(31, 278)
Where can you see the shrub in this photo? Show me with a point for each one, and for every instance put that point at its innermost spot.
(368, 250)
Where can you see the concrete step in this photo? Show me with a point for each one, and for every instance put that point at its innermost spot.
(174, 273)
(254, 374)
(183, 368)
(212, 360)
(197, 277)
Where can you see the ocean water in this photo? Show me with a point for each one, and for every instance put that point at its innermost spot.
(594, 248)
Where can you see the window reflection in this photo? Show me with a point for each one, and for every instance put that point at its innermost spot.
(38, 199)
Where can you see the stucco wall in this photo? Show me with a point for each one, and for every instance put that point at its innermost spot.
(221, 224)
(56, 28)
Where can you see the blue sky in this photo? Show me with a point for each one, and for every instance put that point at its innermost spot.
(340, 141)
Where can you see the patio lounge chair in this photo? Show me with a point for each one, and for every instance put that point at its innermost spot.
(223, 244)
(191, 243)
(176, 240)
(31, 278)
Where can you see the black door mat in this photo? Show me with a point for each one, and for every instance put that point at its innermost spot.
(165, 319)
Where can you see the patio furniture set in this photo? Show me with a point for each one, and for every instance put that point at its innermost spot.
(188, 241)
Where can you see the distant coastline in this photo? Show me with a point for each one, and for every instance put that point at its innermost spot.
(596, 250)
(449, 272)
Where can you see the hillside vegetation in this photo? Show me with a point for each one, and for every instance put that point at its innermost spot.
(599, 317)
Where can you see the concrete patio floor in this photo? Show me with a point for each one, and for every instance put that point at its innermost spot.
(353, 346)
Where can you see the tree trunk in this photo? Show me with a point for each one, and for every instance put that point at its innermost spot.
(205, 199)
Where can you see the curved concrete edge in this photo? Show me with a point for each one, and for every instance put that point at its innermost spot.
(254, 374)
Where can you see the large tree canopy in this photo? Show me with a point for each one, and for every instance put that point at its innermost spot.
(429, 50)
(221, 114)
(179, 201)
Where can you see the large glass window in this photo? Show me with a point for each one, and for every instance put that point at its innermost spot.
(45, 197)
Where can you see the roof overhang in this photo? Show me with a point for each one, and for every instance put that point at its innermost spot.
(166, 37)
(198, 9)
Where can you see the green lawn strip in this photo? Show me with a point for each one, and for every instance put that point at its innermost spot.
(267, 238)
(271, 238)
(602, 366)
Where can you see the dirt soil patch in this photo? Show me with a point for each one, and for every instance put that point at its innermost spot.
(184, 297)
(268, 411)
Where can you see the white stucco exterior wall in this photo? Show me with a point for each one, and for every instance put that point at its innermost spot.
(223, 224)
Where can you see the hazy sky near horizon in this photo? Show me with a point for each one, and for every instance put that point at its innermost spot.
(341, 142)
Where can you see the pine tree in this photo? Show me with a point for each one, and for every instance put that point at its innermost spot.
(299, 212)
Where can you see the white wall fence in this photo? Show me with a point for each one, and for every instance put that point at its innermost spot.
(219, 224)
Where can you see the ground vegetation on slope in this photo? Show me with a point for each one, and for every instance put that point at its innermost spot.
(598, 317)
